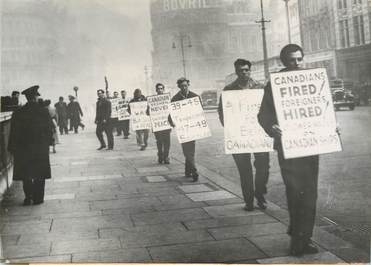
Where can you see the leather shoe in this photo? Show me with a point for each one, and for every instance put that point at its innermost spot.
(309, 248)
(166, 161)
(160, 161)
(249, 207)
(102, 147)
(38, 202)
(194, 177)
(27, 202)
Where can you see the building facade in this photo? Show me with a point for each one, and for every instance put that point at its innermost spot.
(353, 40)
(202, 38)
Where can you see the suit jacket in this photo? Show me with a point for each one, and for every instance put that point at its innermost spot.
(103, 113)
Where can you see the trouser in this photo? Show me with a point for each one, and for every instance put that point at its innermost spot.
(115, 125)
(63, 126)
(142, 137)
(300, 176)
(189, 149)
(123, 127)
(34, 189)
(106, 127)
(163, 144)
(261, 164)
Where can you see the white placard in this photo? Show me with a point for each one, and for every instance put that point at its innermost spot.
(159, 110)
(189, 119)
(122, 110)
(242, 132)
(114, 109)
(305, 112)
(139, 118)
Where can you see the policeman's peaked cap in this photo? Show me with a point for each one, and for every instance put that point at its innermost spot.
(31, 91)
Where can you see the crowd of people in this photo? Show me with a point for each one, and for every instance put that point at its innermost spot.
(300, 175)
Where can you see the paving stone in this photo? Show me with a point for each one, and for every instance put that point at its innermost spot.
(210, 251)
(11, 252)
(229, 210)
(91, 223)
(159, 238)
(44, 259)
(210, 196)
(275, 245)
(195, 188)
(156, 179)
(119, 256)
(124, 203)
(70, 214)
(129, 210)
(179, 205)
(148, 229)
(248, 231)
(76, 246)
(224, 201)
(328, 241)
(9, 240)
(95, 196)
(30, 239)
(352, 255)
(27, 227)
(75, 163)
(152, 169)
(169, 216)
(321, 257)
(229, 221)
(65, 196)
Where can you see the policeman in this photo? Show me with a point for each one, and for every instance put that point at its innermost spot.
(30, 136)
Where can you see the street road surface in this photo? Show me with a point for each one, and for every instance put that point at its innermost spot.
(344, 196)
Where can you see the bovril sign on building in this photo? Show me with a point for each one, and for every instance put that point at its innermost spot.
(172, 5)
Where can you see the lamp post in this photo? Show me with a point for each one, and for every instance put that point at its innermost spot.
(288, 19)
(262, 21)
(182, 38)
(75, 88)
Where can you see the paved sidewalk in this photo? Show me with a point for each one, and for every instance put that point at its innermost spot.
(121, 206)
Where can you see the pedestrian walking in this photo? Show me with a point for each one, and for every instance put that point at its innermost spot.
(300, 175)
(142, 135)
(162, 137)
(74, 114)
(124, 125)
(243, 161)
(103, 120)
(61, 109)
(115, 120)
(54, 117)
(189, 148)
(29, 140)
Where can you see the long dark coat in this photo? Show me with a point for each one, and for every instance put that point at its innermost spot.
(30, 136)
(74, 112)
(61, 108)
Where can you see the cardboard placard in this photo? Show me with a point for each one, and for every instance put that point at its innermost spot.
(159, 110)
(139, 118)
(242, 132)
(122, 110)
(305, 112)
(189, 119)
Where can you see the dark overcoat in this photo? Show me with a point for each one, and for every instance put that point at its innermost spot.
(29, 139)
(74, 112)
(61, 108)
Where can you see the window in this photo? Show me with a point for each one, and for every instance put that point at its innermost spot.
(342, 4)
(344, 33)
(359, 31)
(355, 2)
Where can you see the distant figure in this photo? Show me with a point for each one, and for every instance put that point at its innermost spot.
(123, 126)
(30, 136)
(115, 121)
(61, 108)
(10, 103)
(189, 148)
(74, 112)
(103, 120)
(142, 135)
(54, 117)
(162, 137)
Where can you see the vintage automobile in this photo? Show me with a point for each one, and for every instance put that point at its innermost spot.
(343, 98)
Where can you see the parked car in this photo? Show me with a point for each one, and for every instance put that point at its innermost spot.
(343, 98)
